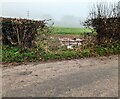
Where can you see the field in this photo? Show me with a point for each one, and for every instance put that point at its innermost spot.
(75, 31)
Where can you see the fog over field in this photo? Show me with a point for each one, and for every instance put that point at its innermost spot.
(66, 21)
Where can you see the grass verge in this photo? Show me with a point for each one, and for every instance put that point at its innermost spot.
(13, 54)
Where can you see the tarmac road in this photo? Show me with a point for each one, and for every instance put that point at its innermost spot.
(88, 77)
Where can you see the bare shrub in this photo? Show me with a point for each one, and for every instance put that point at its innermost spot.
(20, 32)
(105, 19)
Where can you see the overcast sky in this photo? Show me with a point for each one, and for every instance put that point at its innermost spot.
(55, 9)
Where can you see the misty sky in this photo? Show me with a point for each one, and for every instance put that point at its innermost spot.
(55, 10)
(58, 10)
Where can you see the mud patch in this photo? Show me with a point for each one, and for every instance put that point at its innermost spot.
(25, 73)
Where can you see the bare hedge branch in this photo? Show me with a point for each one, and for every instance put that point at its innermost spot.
(105, 19)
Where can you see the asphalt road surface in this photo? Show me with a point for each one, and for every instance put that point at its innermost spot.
(88, 77)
